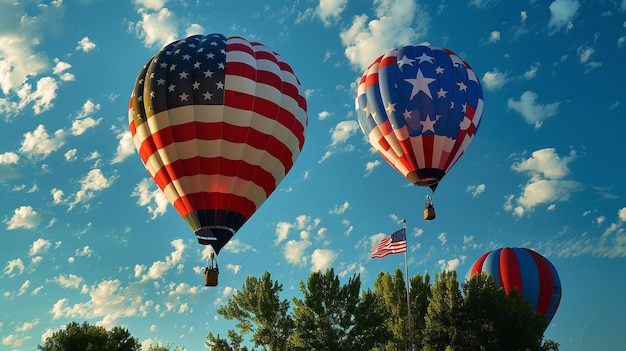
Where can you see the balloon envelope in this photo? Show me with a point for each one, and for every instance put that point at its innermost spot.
(420, 107)
(533, 275)
(218, 122)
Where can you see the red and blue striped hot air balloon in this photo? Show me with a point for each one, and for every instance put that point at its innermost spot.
(533, 275)
(420, 107)
(218, 122)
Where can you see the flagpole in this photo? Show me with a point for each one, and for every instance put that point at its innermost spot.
(407, 286)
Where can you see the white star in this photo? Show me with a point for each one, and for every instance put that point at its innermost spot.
(441, 93)
(207, 95)
(406, 114)
(390, 108)
(425, 57)
(196, 85)
(210, 55)
(183, 97)
(197, 64)
(171, 88)
(172, 67)
(186, 57)
(462, 86)
(220, 85)
(220, 65)
(208, 73)
(183, 75)
(161, 81)
(405, 61)
(439, 70)
(429, 124)
(420, 84)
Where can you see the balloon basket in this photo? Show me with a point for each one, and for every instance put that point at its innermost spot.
(210, 277)
(429, 209)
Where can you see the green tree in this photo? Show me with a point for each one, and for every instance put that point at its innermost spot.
(87, 337)
(258, 310)
(216, 343)
(332, 316)
(442, 318)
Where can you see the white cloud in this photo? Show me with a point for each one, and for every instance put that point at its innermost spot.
(323, 115)
(294, 252)
(397, 23)
(68, 281)
(38, 144)
(322, 259)
(14, 267)
(370, 166)
(340, 209)
(494, 36)
(154, 200)
(561, 13)
(546, 171)
(494, 80)
(125, 147)
(156, 28)
(443, 238)
(476, 189)
(39, 246)
(237, 246)
(23, 217)
(9, 158)
(343, 131)
(86, 45)
(57, 196)
(60, 69)
(159, 268)
(533, 112)
(330, 10)
(80, 126)
(282, 231)
(92, 183)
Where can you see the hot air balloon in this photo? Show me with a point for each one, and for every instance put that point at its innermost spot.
(218, 122)
(420, 107)
(533, 275)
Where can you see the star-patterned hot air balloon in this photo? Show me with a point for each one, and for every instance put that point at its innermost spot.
(218, 122)
(420, 107)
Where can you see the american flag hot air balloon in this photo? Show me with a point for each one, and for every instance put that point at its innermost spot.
(218, 122)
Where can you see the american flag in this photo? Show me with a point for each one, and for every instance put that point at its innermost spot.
(218, 122)
(393, 244)
(420, 107)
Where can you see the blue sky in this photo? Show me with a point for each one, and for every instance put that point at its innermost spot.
(86, 235)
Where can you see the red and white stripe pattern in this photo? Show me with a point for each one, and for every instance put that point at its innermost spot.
(218, 123)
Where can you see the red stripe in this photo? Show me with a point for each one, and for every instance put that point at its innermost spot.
(546, 283)
(510, 271)
(388, 61)
(218, 131)
(215, 201)
(478, 265)
(238, 46)
(217, 165)
(427, 145)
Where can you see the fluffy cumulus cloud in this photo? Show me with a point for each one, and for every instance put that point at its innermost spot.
(157, 27)
(24, 79)
(562, 12)
(294, 250)
(86, 45)
(7, 171)
(149, 196)
(38, 144)
(330, 10)
(90, 185)
(158, 268)
(533, 112)
(322, 259)
(340, 135)
(23, 217)
(494, 80)
(125, 147)
(397, 23)
(547, 184)
(39, 246)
